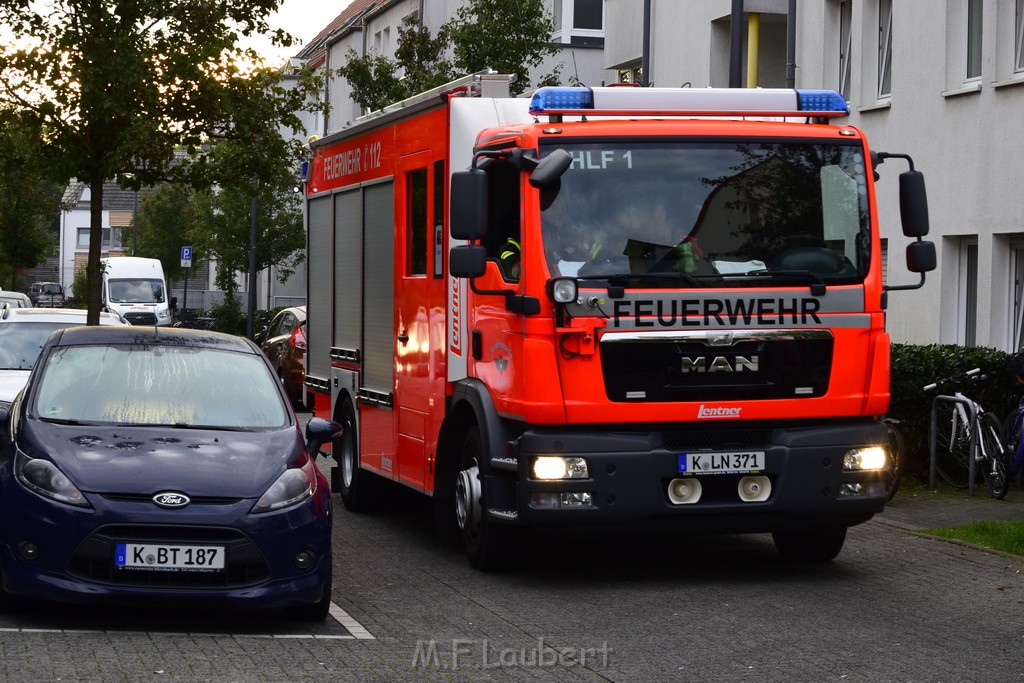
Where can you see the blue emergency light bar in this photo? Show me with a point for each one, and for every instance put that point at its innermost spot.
(688, 101)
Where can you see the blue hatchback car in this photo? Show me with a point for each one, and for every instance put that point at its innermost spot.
(162, 465)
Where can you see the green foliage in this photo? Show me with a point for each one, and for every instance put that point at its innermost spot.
(229, 315)
(165, 217)
(28, 204)
(914, 367)
(221, 215)
(509, 36)
(118, 86)
(79, 290)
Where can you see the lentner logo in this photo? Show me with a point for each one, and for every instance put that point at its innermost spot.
(720, 411)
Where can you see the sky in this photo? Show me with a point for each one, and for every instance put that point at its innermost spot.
(304, 19)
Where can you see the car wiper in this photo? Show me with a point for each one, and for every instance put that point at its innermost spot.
(222, 428)
(818, 285)
(621, 279)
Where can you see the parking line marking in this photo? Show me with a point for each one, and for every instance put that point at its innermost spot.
(356, 631)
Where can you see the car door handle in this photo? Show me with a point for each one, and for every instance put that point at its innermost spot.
(403, 337)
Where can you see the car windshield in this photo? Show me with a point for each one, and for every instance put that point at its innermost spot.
(52, 288)
(21, 342)
(710, 210)
(159, 385)
(136, 291)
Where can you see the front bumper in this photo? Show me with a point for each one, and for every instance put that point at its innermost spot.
(75, 561)
(630, 473)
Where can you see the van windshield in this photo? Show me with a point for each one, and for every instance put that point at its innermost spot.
(136, 291)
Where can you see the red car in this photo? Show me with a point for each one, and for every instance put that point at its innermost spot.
(284, 343)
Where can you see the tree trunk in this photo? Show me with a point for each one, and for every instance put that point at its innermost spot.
(92, 269)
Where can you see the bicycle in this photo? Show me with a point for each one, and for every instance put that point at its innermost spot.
(964, 436)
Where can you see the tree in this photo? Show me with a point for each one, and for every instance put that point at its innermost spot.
(376, 81)
(165, 220)
(117, 85)
(28, 204)
(222, 215)
(509, 36)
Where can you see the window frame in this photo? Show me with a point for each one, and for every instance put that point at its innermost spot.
(564, 14)
(845, 47)
(973, 39)
(884, 83)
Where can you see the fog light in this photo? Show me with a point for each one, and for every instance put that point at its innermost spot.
(28, 550)
(575, 499)
(552, 467)
(754, 489)
(304, 559)
(544, 500)
(870, 458)
(852, 490)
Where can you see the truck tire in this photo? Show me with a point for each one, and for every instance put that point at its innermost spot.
(489, 545)
(810, 546)
(347, 478)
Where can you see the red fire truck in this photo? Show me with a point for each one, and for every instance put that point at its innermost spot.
(607, 308)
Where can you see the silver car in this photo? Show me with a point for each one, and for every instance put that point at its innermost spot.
(23, 331)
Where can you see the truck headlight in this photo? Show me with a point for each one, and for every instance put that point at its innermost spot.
(563, 290)
(555, 467)
(869, 458)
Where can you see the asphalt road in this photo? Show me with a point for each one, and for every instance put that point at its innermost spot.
(895, 606)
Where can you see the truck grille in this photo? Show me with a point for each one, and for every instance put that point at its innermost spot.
(140, 318)
(716, 366)
(94, 559)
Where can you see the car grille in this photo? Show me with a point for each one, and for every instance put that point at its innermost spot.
(140, 318)
(244, 565)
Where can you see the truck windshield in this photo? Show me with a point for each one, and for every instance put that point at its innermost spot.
(742, 212)
(136, 291)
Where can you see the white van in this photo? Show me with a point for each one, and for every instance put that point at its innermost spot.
(135, 288)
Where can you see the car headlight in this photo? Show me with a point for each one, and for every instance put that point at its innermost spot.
(42, 477)
(294, 486)
(163, 314)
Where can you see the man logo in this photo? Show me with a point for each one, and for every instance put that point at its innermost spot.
(171, 500)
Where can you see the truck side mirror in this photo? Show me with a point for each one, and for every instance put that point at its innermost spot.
(913, 204)
(469, 260)
(468, 212)
(921, 256)
(550, 169)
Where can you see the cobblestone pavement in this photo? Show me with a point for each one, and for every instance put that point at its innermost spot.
(895, 606)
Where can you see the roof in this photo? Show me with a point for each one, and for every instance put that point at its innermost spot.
(152, 335)
(315, 51)
(115, 198)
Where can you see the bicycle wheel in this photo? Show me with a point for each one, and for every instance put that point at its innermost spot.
(892, 476)
(952, 445)
(1014, 427)
(993, 463)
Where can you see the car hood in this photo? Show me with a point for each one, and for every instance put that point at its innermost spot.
(151, 459)
(11, 382)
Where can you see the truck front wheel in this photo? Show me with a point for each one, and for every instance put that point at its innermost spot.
(810, 546)
(488, 544)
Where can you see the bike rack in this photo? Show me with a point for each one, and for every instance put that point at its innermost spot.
(973, 467)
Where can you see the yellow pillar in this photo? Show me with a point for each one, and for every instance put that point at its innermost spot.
(753, 47)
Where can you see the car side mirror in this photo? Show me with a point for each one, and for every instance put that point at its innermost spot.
(319, 431)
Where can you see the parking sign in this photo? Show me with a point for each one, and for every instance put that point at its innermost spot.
(186, 257)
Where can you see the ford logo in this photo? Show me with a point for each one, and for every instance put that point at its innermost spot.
(171, 500)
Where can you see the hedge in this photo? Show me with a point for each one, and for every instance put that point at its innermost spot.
(915, 366)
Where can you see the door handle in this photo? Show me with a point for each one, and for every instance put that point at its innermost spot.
(403, 337)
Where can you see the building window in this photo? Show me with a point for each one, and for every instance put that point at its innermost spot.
(885, 48)
(580, 21)
(974, 13)
(416, 222)
(967, 320)
(1016, 298)
(846, 46)
(632, 73)
(111, 239)
(1019, 43)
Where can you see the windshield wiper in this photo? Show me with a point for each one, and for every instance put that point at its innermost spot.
(818, 285)
(620, 279)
